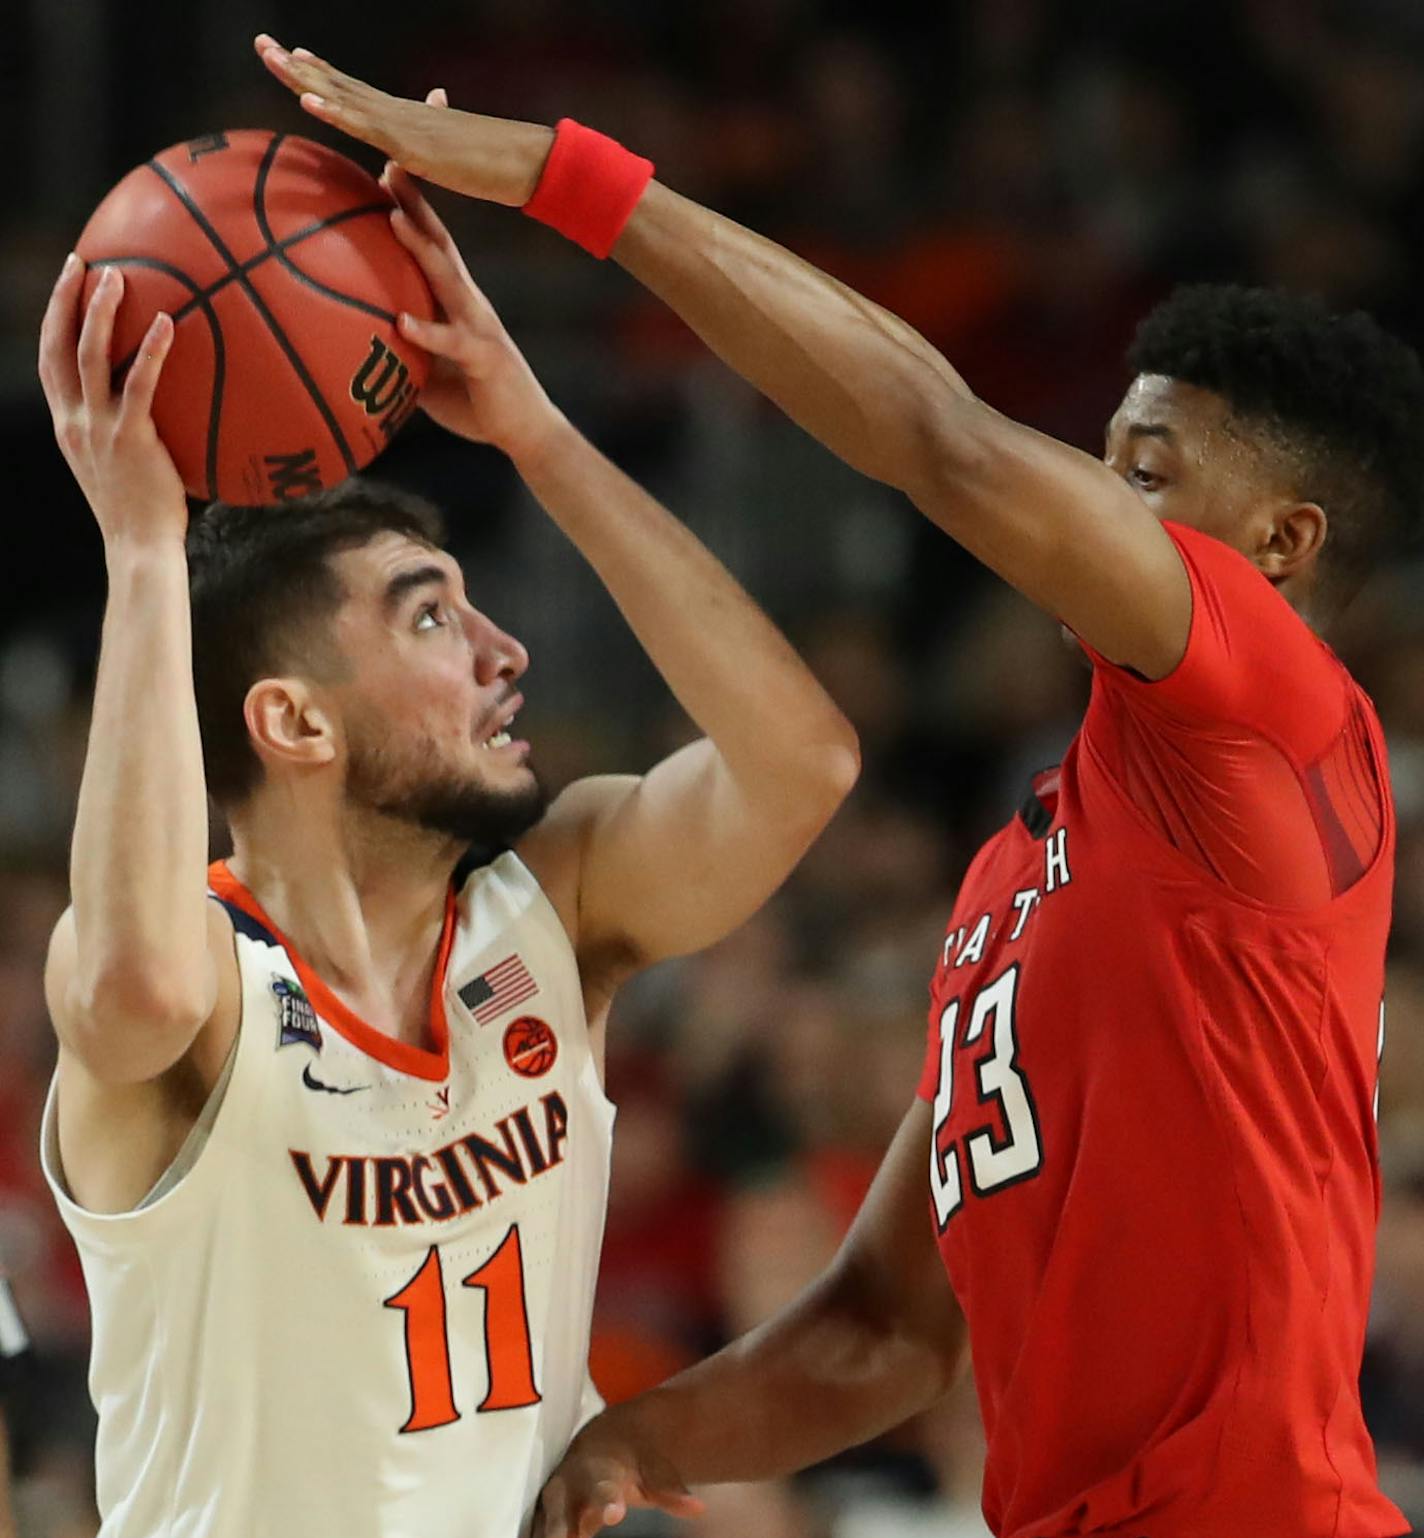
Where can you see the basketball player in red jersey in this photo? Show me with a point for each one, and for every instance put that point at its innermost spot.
(1145, 1131)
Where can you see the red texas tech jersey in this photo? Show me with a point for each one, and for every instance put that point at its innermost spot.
(1154, 1039)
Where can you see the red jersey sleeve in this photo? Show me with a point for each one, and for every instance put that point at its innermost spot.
(1255, 739)
(1251, 660)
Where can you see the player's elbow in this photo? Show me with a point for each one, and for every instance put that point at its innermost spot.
(838, 763)
(827, 770)
(919, 1351)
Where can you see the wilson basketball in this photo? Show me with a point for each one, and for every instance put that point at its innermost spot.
(276, 259)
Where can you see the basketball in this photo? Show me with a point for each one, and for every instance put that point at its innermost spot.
(276, 259)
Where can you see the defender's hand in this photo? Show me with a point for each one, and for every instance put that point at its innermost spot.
(483, 157)
(600, 1480)
(109, 439)
(480, 386)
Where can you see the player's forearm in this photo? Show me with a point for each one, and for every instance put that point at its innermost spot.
(729, 667)
(822, 1376)
(139, 856)
(856, 377)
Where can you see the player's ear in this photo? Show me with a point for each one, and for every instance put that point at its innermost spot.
(288, 723)
(1291, 540)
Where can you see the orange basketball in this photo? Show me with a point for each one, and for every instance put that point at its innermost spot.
(276, 259)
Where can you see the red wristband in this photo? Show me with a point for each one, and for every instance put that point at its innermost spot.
(589, 187)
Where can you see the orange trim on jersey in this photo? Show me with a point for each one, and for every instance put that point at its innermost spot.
(421, 1062)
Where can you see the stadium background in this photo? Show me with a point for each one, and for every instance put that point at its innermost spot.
(1019, 178)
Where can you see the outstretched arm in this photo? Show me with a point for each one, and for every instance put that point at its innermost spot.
(131, 977)
(874, 1340)
(1049, 519)
(670, 861)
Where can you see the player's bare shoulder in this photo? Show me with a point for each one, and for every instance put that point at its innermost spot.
(556, 848)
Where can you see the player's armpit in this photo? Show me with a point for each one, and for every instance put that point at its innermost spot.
(1059, 526)
(674, 860)
(130, 1029)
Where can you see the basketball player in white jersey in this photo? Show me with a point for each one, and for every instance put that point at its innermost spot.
(328, 1123)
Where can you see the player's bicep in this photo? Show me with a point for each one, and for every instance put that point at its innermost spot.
(131, 1033)
(1064, 530)
(674, 860)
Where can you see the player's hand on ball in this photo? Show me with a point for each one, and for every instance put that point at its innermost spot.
(480, 385)
(483, 157)
(600, 1480)
(108, 437)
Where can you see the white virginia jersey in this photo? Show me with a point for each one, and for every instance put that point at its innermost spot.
(363, 1312)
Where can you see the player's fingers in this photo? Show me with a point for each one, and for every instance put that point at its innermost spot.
(551, 1516)
(439, 338)
(323, 77)
(323, 90)
(95, 339)
(454, 290)
(677, 1501)
(457, 291)
(416, 207)
(278, 60)
(605, 1507)
(139, 387)
(59, 338)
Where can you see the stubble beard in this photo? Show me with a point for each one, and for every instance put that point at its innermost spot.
(403, 787)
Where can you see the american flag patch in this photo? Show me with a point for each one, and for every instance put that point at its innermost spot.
(506, 984)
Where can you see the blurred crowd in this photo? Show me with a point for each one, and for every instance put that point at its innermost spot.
(1020, 179)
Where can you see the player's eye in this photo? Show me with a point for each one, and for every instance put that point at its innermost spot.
(432, 612)
(1143, 479)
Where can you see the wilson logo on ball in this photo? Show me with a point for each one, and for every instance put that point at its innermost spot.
(530, 1047)
(383, 388)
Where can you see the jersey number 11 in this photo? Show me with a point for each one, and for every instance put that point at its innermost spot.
(427, 1342)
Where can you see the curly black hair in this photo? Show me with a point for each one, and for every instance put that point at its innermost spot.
(262, 587)
(1338, 398)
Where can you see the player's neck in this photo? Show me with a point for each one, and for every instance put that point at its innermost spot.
(361, 899)
(1308, 597)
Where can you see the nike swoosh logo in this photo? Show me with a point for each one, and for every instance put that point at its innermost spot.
(331, 1089)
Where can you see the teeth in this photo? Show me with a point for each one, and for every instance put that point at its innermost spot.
(499, 740)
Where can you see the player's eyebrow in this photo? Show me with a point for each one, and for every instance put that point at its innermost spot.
(406, 581)
(1151, 430)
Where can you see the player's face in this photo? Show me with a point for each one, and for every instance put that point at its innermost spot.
(430, 699)
(1175, 445)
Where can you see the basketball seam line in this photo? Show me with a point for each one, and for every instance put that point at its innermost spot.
(259, 304)
(199, 300)
(254, 262)
(259, 209)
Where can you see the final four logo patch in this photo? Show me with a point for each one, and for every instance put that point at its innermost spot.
(296, 1019)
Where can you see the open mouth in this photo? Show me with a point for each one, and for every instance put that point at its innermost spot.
(500, 737)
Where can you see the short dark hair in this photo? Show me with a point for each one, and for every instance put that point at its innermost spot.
(1338, 398)
(261, 584)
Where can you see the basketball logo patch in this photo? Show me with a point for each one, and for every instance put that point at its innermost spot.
(530, 1047)
(296, 1019)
